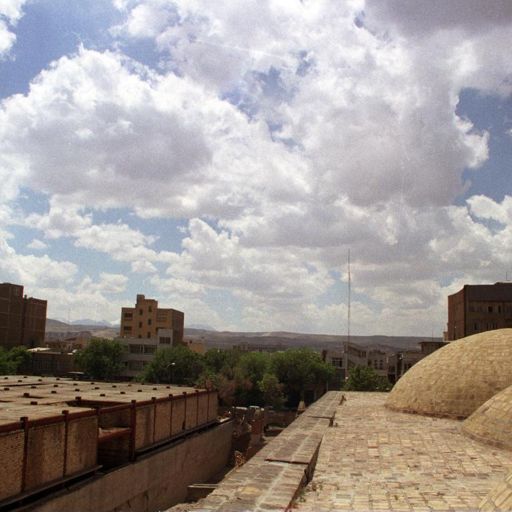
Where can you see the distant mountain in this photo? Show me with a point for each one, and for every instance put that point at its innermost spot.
(202, 327)
(102, 331)
(88, 321)
(227, 339)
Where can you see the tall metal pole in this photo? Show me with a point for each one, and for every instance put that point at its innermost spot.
(349, 293)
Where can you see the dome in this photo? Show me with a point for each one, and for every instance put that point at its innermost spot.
(500, 498)
(492, 422)
(458, 378)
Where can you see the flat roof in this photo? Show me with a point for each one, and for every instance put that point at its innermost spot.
(377, 459)
(38, 397)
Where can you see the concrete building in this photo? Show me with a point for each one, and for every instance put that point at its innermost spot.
(479, 308)
(140, 351)
(146, 319)
(22, 318)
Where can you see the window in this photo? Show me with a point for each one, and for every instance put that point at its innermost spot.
(128, 316)
(149, 321)
(136, 349)
(149, 349)
(149, 335)
(489, 309)
(127, 328)
(140, 325)
(140, 311)
(167, 341)
(150, 309)
(337, 362)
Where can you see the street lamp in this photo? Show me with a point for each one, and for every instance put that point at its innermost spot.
(170, 368)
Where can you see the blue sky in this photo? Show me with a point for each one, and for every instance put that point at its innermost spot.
(223, 158)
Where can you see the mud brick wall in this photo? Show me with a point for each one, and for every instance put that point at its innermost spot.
(191, 419)
(213, 406)
(144, 425)
(11, 459)
(115, 419)
(178, 415)
(82, 446)
(45, 454)
(162, 421)
(203, 408)
(114, 451)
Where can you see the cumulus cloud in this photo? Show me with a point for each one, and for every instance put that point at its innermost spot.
(285, 133)
(10, 12)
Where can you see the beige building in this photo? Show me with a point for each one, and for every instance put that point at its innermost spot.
(146, 319)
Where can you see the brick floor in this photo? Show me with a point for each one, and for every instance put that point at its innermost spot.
(377, 459)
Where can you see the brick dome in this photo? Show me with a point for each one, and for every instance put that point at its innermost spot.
(458, 378)
(500, 498)
(492, 422)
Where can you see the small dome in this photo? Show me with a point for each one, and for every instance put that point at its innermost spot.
(458, 378)
(500, 498)
(492, 422)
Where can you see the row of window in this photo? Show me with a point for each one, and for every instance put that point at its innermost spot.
(142, 349)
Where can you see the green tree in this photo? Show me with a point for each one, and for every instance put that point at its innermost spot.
(272, 391)
(177, 365)
(249, 372)
(101, 359)
(222, 361)
(13, 359)
(365, 378)
(300, 369)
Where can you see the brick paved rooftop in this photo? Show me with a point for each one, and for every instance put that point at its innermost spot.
(377, 459)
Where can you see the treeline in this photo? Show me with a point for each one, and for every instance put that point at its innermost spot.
(241, 378)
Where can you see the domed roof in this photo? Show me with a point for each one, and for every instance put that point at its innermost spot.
(492, 422)
(456, 379)
(500, 498)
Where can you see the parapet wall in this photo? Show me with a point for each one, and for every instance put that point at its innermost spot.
(275, 475)
(154, 482)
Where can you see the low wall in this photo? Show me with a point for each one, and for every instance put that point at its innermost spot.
(154, 482)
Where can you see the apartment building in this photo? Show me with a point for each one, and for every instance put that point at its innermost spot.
(22, 318)
(146, 319)
(479, 308)
(140, 351)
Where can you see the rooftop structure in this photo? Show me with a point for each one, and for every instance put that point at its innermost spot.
(457, 379)
(146, 319)
(58, 429)
(479, 308)
(22, 318)
(492, 422)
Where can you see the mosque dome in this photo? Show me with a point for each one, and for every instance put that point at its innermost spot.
(458, 378)
(491, 423)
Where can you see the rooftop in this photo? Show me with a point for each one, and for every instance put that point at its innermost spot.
(378, 459)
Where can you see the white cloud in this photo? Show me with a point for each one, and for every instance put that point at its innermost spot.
(37, 244)
(293, 129)
(10, 12)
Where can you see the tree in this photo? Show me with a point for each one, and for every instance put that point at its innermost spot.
(101, 359)
(250, 370)
(300, 369)
(13, 359)
(222, 361)
(365, 378)
(272, 391)
(177, 365)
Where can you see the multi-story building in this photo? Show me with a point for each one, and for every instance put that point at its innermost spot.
(146, 319)
(22, 318)
(139, 352)
(478, 308)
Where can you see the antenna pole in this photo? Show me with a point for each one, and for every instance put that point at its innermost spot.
(349, 298)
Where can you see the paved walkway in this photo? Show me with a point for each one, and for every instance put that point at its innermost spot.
(377, 459)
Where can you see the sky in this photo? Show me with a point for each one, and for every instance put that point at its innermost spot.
(224, 157)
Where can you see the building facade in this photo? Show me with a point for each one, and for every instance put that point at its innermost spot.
(479, 308)
(139, 352)
(146, 319)
(22, 318)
